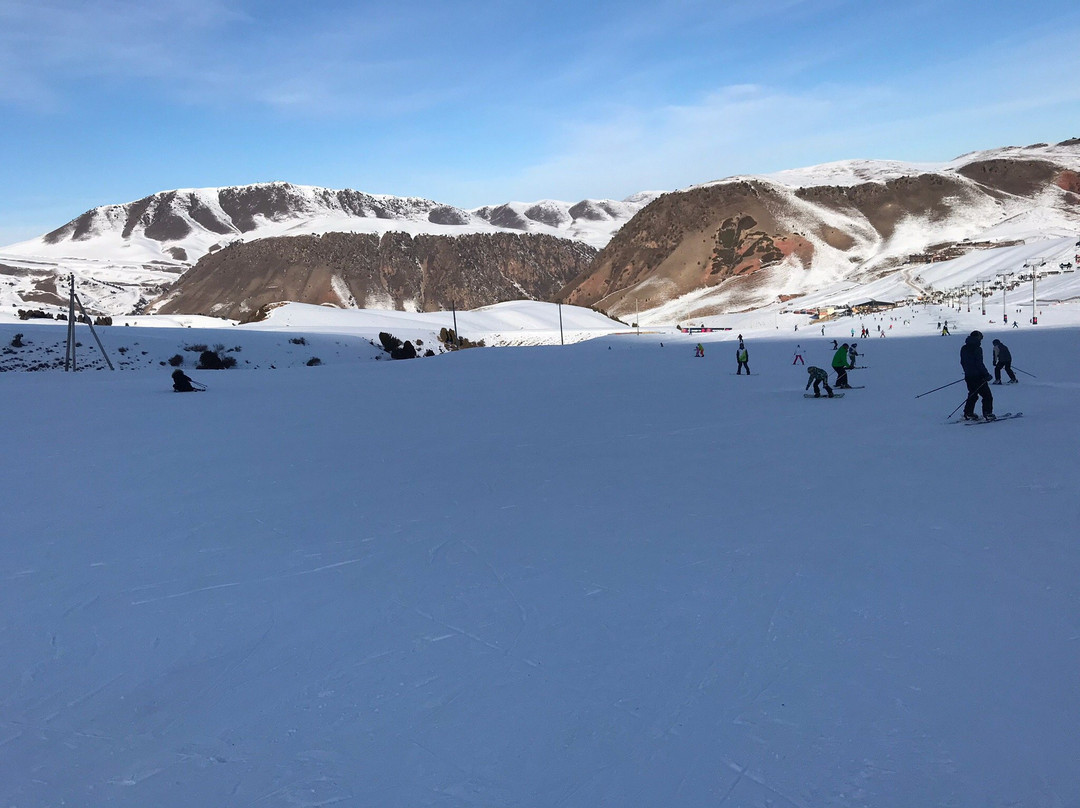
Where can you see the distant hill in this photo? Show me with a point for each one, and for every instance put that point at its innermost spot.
(391, 271)
(746, 242)
(126, 256)
(732, 245)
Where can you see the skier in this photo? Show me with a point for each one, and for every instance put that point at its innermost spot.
(742, 356)
(945, 331)
(1002, 359)
(840, 364)
(834, 345)
(181, 382)
(699, 350)
(852, 356)
(976, 376)
(798, 356)
(818, 377)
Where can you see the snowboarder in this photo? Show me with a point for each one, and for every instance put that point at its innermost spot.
(976, 376)
(699, 350)
(181, 382)
(840, 364)
(818, 377)
(1002, 360)
(798, 360)
(742, 356)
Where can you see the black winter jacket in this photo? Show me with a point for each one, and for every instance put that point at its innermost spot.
(971, 360)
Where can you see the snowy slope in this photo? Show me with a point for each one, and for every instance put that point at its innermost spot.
(607, 574)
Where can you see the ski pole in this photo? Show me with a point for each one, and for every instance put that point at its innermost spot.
(1032, 375)
(962, 403)
(958, 406)
(928, 392)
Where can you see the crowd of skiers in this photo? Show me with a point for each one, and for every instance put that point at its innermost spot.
(845, 357)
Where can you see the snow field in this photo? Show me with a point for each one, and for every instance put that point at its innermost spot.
(609, 573)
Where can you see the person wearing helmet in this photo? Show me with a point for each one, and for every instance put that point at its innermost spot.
(852, 355)
(977, 378)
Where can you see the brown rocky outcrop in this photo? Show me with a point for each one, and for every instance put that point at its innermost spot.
(394, 270)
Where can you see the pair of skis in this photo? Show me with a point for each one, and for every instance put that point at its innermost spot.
(837, 394)
(1006, 417)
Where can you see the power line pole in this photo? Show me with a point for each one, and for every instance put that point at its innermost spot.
(69, 355)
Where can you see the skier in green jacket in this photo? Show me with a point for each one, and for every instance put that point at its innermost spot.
(742, 356)
(840, 364)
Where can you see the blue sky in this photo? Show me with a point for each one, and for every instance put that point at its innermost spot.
(479, 102)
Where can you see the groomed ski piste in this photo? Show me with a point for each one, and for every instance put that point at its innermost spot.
(606, 573)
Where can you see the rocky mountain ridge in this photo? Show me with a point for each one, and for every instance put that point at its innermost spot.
(183, 225)
(746, 242)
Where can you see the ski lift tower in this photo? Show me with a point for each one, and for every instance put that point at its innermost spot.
(1004, 288)
(1034, 275)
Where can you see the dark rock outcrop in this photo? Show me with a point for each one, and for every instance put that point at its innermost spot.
(394, 270)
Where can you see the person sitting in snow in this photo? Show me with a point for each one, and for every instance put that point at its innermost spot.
(818, 377)
(181, 382)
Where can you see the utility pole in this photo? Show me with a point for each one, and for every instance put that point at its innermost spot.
(457, 337)
(561, 340)
(69, 355)
(982, 294)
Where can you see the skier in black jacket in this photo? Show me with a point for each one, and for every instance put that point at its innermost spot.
(977, 378)
(181, 382)
(1002, 359)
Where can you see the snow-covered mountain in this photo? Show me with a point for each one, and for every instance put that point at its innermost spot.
(183, 225)
(744, 242)
(125, 255)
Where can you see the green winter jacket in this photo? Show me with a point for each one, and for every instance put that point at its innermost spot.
(840, 358)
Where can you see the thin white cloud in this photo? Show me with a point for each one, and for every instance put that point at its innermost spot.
(929, 113)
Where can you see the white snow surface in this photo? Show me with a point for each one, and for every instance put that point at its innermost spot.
(603, 574)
